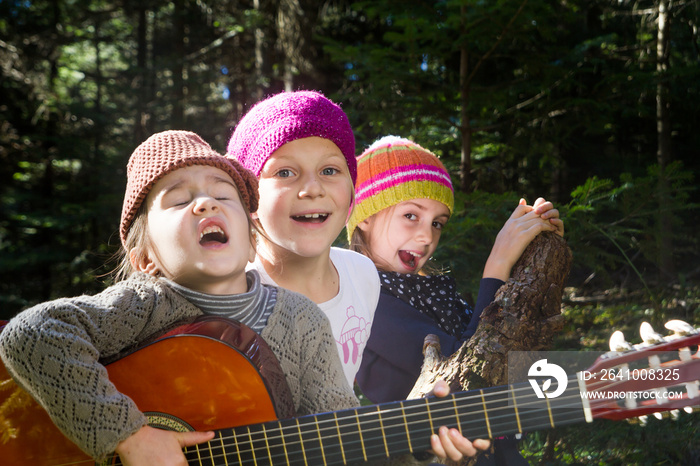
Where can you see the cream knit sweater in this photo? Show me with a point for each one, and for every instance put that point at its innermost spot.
(53, 349)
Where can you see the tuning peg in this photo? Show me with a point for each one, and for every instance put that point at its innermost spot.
(643, 420)
(618, 342)
(658, 416)
(675, 413)
(688, 409)
(649, 336)
(680, 328)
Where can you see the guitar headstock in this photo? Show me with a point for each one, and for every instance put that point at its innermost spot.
(660, 374)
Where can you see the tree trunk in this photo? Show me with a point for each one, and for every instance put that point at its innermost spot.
(142, 116)
(179, 89)
(524, 316)
(663, 134)
(465, 167)
(259, 35)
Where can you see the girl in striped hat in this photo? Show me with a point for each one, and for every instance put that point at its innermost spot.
(404, 197)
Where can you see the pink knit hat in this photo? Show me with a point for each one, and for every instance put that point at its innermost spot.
(286, 117)
(165, 152)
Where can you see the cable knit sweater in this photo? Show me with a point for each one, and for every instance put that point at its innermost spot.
(53, 349)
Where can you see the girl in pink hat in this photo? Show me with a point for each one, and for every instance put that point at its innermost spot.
(301, 147)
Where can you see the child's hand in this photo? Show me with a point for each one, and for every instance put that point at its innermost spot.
(449, 443)
(546, 210)
(524, 224)
(150, 446)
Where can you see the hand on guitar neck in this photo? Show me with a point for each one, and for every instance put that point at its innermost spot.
(449, 442)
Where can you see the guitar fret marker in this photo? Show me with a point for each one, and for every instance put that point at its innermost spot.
(211, 453)
(381, 427)
(362, 440)
(301, 442)
(284, 444)
(252, 448)
(430, 417)
(223, 449)
(459, 423)
(549, 409)
(486, 416)
(340, 438)
(238, 450)
(405, 424)
(515, 406)
(267, 445)
(320, 441)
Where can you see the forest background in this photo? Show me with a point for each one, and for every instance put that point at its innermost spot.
(593, 104)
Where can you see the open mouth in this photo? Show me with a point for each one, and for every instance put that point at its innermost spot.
(212, 235)
(311, 218)
(409, 259)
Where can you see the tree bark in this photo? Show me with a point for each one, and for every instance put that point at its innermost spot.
(524, 316)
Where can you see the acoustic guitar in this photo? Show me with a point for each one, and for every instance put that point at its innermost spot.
(199, 376)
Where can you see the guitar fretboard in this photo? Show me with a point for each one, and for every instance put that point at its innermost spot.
(389, 429)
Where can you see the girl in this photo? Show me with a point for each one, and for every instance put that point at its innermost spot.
(301, 147)
(186, 237)
(404, 198)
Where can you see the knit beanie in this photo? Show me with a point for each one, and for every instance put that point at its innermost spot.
(285, 117)
(165, 152)
(394, 170)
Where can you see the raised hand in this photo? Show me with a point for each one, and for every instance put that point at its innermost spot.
(524, 224)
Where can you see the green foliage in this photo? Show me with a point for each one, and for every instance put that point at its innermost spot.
(614, 228)
(603, 442)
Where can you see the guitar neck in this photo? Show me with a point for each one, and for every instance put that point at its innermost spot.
(390, 429)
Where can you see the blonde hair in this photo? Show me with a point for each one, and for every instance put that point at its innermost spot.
(136, 237)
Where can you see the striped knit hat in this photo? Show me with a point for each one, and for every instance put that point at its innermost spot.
(167, 151)
(286, 117)
(394, 170)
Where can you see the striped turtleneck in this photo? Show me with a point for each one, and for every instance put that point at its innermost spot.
(251, 308)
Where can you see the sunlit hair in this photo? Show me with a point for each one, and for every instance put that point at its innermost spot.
(137, 237)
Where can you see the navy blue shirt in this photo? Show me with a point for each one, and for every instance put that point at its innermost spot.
(393, 356)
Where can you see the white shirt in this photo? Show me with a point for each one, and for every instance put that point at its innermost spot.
(351, 311)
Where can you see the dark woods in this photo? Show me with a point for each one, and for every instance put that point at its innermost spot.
(593, 104)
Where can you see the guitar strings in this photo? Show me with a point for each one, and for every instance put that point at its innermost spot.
(438, 418)
(533, 423)
(351, 448)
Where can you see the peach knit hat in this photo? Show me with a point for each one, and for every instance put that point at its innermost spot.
(167, 151)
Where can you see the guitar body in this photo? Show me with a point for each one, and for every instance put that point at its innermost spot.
(204, 375)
